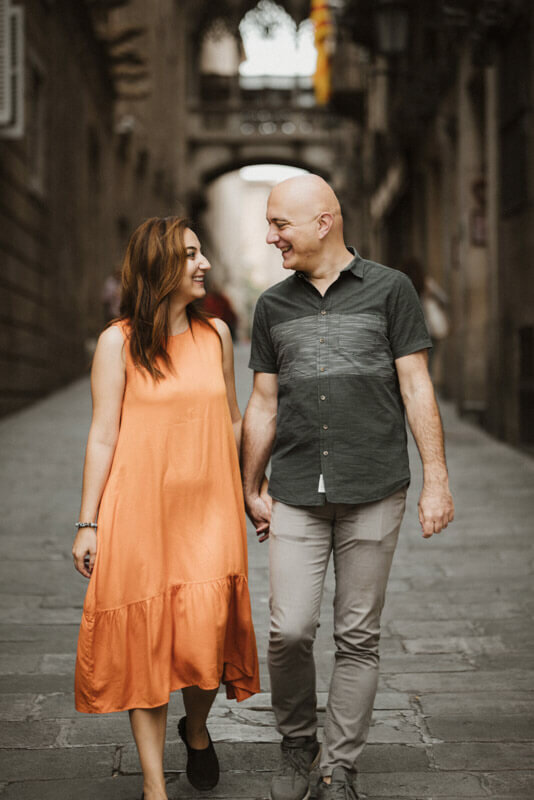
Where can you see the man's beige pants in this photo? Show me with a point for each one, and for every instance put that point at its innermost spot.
(363, 539)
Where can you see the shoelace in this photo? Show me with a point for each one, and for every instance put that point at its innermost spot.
(343, 791)
(294, 761)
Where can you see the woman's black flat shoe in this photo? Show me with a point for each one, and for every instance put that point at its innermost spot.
(202, 765)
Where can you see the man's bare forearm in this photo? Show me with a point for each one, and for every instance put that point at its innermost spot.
(259, 429)
(425, 423)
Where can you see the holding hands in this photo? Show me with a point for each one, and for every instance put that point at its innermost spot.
(259, 509)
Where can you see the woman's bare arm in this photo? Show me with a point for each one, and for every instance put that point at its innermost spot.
(108, 377)
(229, 378)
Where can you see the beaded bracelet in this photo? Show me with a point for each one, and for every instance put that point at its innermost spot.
(86, 525)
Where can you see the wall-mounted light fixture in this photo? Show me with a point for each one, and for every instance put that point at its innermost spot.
(392, 21)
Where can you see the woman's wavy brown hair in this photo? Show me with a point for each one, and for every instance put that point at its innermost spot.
(152, 270)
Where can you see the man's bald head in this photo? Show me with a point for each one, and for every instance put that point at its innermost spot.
(305, 222)
(307, 193)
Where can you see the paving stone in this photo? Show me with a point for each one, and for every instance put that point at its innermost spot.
(482, 795)
(435, 610)
(41, 616)
(479, 704)
(517, 631)
(492, 569)
(67, 644)
(496, 681)
(419, 785)
(28, 578)
(35, 683)
(28, 734)
(119, 788)
(431, 662)
(436, 629)
(12, 664)
(390, 645)
(56, 705)
(232, 786)
(57, 663)
(17, 707)
(496, 728)
(509, 783)
(471, 756)
(14, 548)
(38, 633)
(394, 727)
(396, 584)
(392, 700)
(474, 645)
(96, 729)
(8, 601)
(393, 758)
(57, 763)
(74, 600)
(512, 659)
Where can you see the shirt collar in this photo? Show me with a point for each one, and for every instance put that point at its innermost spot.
(355, 266)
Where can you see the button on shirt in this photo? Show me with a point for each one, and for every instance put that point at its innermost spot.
(340, 411)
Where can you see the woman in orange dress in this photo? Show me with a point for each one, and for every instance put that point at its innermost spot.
(167, 605)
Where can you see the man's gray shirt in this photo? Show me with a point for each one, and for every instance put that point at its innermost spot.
(340, 410)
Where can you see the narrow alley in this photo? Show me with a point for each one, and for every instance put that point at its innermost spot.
(455, 710)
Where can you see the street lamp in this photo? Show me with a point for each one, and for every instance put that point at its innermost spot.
(392, 26)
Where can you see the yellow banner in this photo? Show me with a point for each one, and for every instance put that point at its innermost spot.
(324, 33)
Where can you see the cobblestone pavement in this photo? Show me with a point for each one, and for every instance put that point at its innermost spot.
(455, 711)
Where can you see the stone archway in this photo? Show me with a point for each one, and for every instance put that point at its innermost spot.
(221, 164)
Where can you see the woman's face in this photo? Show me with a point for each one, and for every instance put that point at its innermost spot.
(196, 265)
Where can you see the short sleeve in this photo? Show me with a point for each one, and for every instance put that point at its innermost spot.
(262, 354)
(406, 324)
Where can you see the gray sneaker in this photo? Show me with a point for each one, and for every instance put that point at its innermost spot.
(341, 787)
(299, 756)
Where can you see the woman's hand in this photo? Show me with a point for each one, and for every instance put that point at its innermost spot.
(84, 551)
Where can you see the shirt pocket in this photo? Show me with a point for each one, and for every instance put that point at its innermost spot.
(361, 346)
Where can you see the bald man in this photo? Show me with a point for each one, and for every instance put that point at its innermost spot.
(339, 353)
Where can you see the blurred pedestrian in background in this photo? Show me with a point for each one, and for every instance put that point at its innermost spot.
(434, 301)
(167, 605)
(217, 304)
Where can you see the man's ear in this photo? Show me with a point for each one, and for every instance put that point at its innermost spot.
(325, 221)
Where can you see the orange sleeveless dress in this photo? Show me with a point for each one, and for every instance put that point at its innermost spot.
(167, 605)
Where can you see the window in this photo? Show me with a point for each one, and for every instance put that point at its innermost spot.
(35, 125)
(11, 71)
(514, 102)
(5, 94)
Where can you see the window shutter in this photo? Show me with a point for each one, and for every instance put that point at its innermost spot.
(15, 75)
(5, 93)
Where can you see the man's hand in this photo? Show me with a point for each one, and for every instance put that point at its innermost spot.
(436, 509)
(259, 510)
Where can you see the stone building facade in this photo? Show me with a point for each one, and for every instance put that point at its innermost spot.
(83, 158)
(449, 170)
